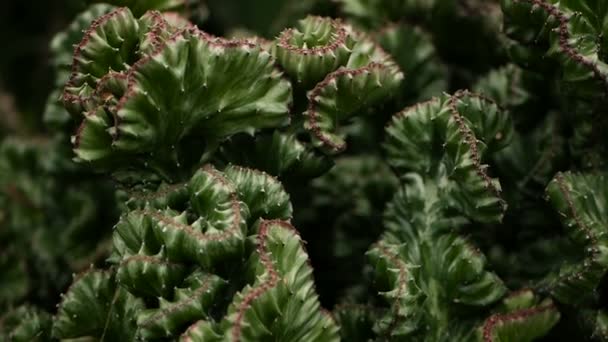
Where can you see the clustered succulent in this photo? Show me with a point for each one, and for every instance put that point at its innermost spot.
(365, 170)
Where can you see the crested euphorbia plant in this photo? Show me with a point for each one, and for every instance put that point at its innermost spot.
(469, 215)
(184, 267)
(200, 253)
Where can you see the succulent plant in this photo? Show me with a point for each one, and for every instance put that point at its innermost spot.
(199, 253)
(335, 182)
(209, 259)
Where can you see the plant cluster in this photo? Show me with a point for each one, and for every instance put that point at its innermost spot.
(369, 170)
